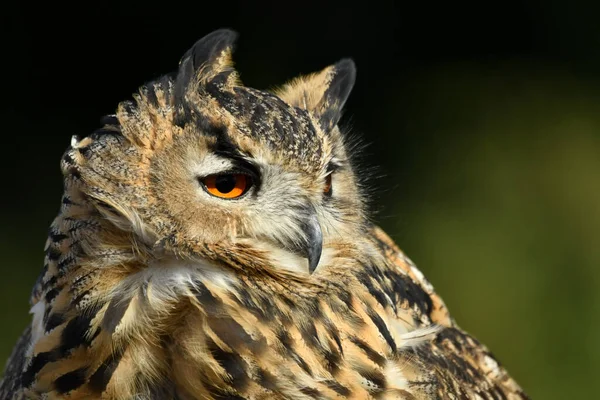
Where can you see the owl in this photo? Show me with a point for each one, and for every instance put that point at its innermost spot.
(213, 243)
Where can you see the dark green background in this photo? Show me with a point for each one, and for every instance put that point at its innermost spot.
(481, 118)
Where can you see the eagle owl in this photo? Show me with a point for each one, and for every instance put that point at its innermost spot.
(213, 243)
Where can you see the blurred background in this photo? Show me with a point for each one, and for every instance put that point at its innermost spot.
(481, 119)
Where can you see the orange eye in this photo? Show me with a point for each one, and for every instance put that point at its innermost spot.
(327, 188)
(227, 186)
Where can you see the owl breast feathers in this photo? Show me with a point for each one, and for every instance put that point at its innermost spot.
(213, 243)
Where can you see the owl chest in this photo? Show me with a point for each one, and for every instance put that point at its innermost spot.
(258, 346)
(215, 335)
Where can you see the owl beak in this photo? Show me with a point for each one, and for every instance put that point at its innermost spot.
(314, 241)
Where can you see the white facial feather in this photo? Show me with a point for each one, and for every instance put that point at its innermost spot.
(210, 164)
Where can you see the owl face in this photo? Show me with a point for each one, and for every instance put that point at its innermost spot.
(198, 160)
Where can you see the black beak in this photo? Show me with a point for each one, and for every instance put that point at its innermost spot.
(314, 241)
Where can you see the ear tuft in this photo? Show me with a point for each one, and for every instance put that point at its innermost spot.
(337, 93)
(212, 48)
(323, 93)
(207, 58)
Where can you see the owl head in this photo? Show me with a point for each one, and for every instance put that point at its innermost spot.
(198, 165)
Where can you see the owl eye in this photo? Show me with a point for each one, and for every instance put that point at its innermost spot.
(227, 186)
(327, 188)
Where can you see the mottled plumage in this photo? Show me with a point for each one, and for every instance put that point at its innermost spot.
(154, 288)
